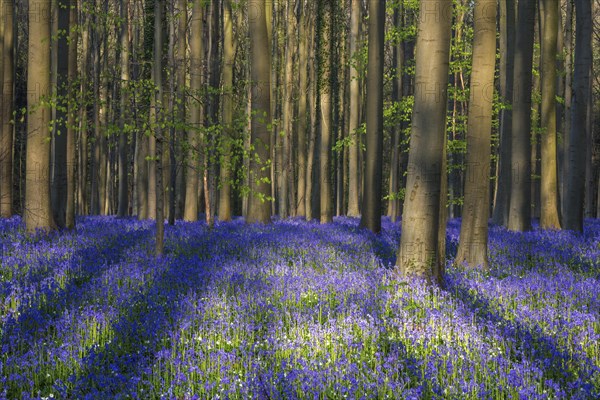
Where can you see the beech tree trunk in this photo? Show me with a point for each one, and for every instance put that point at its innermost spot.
(519, 218)
(226, 140)
(549, 174)
(372, 208)
(507, 56)
(123, 135)
(6, 110)
(575, 199)
(472, 248)
(418, 251)
(195, 116)
(37, 212)
(71, 118)
(259, 204)
(354, 118)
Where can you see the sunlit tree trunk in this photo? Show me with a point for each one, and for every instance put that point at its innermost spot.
(259, 205)
(472, 248)
(37, 212)
(418, 250)
(123, 135)
(372, 209)
(6, 110)
(354, 118)
(195, 115)
(288, 111)
(325, 88)
(519, 217)
(549, 181)
(226, 167)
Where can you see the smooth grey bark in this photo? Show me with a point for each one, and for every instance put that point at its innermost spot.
(123, 135)
(6, 110)
(549, 174)
(354, 118)
(260, 201)
(158, 46)
(325, 27)
(71, 118)
(568, 105)
(372, 207)
(519, 217)
(418, 251)
(472, 247)
(225, 209)
(196, 113)
(575, 195)
(59, 140)
(507, 55)
(37, 210)
(302, 127)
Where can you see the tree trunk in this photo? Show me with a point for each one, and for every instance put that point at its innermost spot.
(82, 196)
(519, 218)
(372, 209)
(6, 111)
(418, 250)
(354, 121)
(195, 116)
(302, 130)
(59, 142)
(472, 248)
(574, 207)
(549, 179)
(325, 26)
(568, 105)
(71, 121)
(507, 55)
(228, 131)
(157, 67)
(288, 111)
(38, 213)
(123, 150)
(259, 205)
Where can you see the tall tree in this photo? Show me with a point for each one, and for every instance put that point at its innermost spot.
(38, 213)
(123, 135)
(371, 210)
(288, 111)
(158, 134)
(354, 118)
(195, 115)
(259, 205)
(302, 128)
(325, 27)
(6, 110)
(549, 183)
(226, 167)
(418, 250)
(573, 218)
(472, 247)
(507, 57)
(71, 117)
(59, 139)
(519, 216)
(568, 105)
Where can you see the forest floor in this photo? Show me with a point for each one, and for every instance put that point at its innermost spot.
(292, 310)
